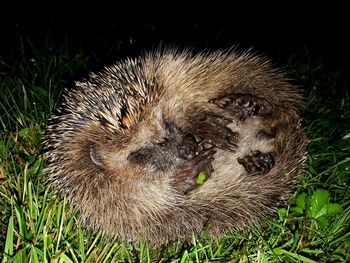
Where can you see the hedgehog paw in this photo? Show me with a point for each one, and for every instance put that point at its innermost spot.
(185, 179)
(258, 163)
(244, 105)
(213, 129)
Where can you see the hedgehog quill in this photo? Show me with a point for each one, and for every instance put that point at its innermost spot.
(172, 143)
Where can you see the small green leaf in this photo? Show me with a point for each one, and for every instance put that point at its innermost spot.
(334, 209)
(282, 212)
(321, 212)
(25, 133)
(317, 202)
(300, 202)
(298, 210)
(320, 208)
(201, 178)
(322, 221)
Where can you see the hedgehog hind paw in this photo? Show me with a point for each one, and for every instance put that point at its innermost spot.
(244, 105)
(258, 163)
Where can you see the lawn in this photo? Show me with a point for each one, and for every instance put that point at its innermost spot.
(36, 226)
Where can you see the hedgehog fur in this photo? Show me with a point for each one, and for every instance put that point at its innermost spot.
(126, 145)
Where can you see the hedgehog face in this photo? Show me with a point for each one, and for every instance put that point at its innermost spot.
(167, 152)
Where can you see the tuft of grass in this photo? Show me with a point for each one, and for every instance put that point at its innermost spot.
(36, 226)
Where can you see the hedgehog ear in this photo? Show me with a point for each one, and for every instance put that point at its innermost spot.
(95, 157)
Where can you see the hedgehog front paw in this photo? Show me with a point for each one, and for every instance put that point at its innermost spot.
(258, 163)
(185, 180)
(213, 129)
(244, 105)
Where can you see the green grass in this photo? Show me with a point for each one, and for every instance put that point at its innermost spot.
(35, 226)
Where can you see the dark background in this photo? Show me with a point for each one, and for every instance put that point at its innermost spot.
(106, 31)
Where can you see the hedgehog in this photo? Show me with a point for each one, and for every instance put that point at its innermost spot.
(173, 143)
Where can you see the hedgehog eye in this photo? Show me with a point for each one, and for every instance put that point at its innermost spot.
(95, 158)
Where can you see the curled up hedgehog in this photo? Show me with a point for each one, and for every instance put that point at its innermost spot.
(174, 143)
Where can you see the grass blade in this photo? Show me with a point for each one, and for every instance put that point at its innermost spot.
(9, 240)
